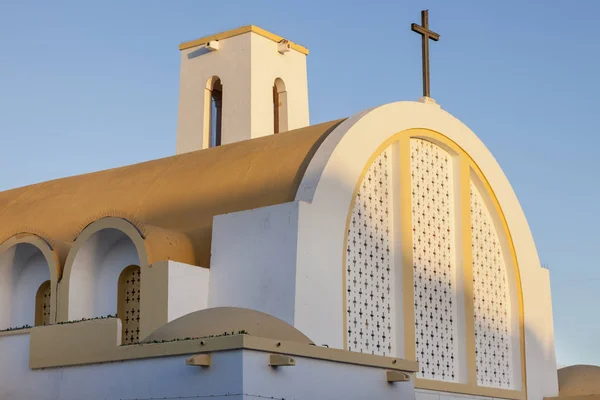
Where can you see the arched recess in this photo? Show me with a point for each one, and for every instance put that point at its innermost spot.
(26, 262)
(329, 187)
(100, 253)
(280, 106)
(213, 112)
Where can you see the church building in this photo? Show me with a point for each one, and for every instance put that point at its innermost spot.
(380, 256)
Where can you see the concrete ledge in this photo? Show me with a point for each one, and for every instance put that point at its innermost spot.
(74, 343)
(13, 332)
(98, 341)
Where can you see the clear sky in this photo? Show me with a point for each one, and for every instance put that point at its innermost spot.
(88, 86)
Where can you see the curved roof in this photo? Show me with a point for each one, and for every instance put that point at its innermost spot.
(229, 320)
(179, 194)
(579, 380)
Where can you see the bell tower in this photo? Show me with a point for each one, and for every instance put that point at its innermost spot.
(238, 85)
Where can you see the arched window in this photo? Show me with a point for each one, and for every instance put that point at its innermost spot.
(280, 113)
(429, 269)
(42, 304)
(214, 111)
(128, 303)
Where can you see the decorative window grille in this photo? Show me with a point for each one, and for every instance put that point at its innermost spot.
(491, 299)
(129, 304)
(369, 273)
(42, 304)
(434, 265)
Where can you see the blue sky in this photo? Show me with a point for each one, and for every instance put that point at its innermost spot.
(87, 86)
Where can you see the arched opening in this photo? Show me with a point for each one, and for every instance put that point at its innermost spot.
(128, 303)
(23, 269)
(280, 107)
(214, 111)
(42, 304)
(95, 272)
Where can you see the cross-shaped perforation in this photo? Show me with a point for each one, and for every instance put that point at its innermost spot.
(491, 299)
(433, 260)
(369, 273)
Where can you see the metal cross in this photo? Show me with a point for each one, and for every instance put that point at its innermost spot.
(426, 34)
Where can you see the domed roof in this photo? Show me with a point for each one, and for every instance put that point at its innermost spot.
(579, 380)
(219, 320)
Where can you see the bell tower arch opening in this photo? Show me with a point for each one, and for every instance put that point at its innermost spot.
(280, 107)
(214, 111)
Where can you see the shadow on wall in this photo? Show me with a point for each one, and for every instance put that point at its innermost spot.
(199, 52)
(23, 270)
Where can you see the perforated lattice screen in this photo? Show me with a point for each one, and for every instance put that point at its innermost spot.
(433, 261)
(491, 299)
(371, 304)
(45, 296)
(130, 298)
(369, 273)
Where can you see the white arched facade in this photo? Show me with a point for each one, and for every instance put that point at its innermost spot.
(23, 269)
(328, 189)
(94, 277)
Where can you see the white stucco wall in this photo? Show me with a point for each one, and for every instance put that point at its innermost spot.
(95, 274)
(253, 262)
(314, 379)
(188, 289)
(149, 378)
(247, 65)
(23, 269)
(540, 354)
(238, 374)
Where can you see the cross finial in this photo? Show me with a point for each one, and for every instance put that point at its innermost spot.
(426, 34)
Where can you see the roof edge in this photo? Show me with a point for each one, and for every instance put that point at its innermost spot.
(241, 31)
